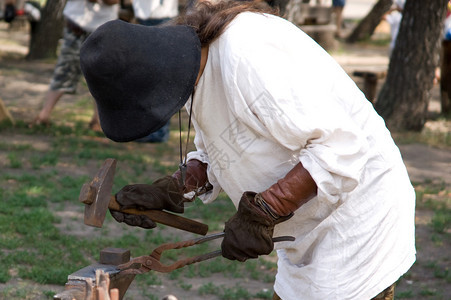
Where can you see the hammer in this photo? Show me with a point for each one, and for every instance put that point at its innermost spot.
(97, 197)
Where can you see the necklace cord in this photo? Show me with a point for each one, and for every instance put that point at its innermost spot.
(182, 165)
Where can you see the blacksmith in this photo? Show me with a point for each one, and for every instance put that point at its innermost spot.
(280, 128)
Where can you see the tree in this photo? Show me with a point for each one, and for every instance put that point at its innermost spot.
(404, 97)
(46, 33)
(366, 27)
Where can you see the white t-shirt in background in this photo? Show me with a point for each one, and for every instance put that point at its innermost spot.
(155, 9)
(89, 15)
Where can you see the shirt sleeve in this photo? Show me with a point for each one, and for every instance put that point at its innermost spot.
(303, 114)
(201, 155)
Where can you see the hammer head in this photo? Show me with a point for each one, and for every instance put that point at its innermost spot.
(96, 195)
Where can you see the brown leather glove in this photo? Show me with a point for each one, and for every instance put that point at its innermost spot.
(290, 192)
(249, 232)
(195, 178)
(165, 193)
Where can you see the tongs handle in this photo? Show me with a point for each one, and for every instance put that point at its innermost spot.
(183, 244)
(144, 264)
(206, 256)
(191, 260)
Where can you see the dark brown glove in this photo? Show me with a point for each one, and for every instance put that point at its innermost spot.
(163, 194)
(133, 220)
(166, 193)
(248, 233)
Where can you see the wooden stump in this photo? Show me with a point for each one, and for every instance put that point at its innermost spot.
(324, 35)
(370, 79)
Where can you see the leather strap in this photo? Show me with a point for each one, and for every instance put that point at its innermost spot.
(182, 165)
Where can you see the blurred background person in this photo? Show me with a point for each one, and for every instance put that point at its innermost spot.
(393, 18)
(82, 17)
(338, 6)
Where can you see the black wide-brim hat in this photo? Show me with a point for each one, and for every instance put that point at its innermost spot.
(139, 76)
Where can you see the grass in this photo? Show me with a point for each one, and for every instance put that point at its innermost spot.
(41, 180)
(37, 182)
(435, 196)
(427, 137)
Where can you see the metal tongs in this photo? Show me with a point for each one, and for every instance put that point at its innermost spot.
(146, 263)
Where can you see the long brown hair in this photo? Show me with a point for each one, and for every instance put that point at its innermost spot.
(210, 19)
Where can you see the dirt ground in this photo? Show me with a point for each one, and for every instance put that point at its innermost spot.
(24, 83)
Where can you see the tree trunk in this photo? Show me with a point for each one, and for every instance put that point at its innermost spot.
(46, 33)
(404, 98)
(366, 27)
(445, 77)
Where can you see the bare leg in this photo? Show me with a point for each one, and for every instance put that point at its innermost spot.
(51, 98)
(338, 10)
(94, 124)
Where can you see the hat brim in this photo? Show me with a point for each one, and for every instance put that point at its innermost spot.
(140, 76)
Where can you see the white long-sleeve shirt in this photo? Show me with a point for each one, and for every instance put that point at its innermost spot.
(269, 98)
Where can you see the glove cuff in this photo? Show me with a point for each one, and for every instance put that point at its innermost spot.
(196, 180)
(290, 192)
(255, 208)
(261, 203)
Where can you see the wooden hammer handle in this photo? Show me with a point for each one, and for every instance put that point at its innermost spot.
(164, 218)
